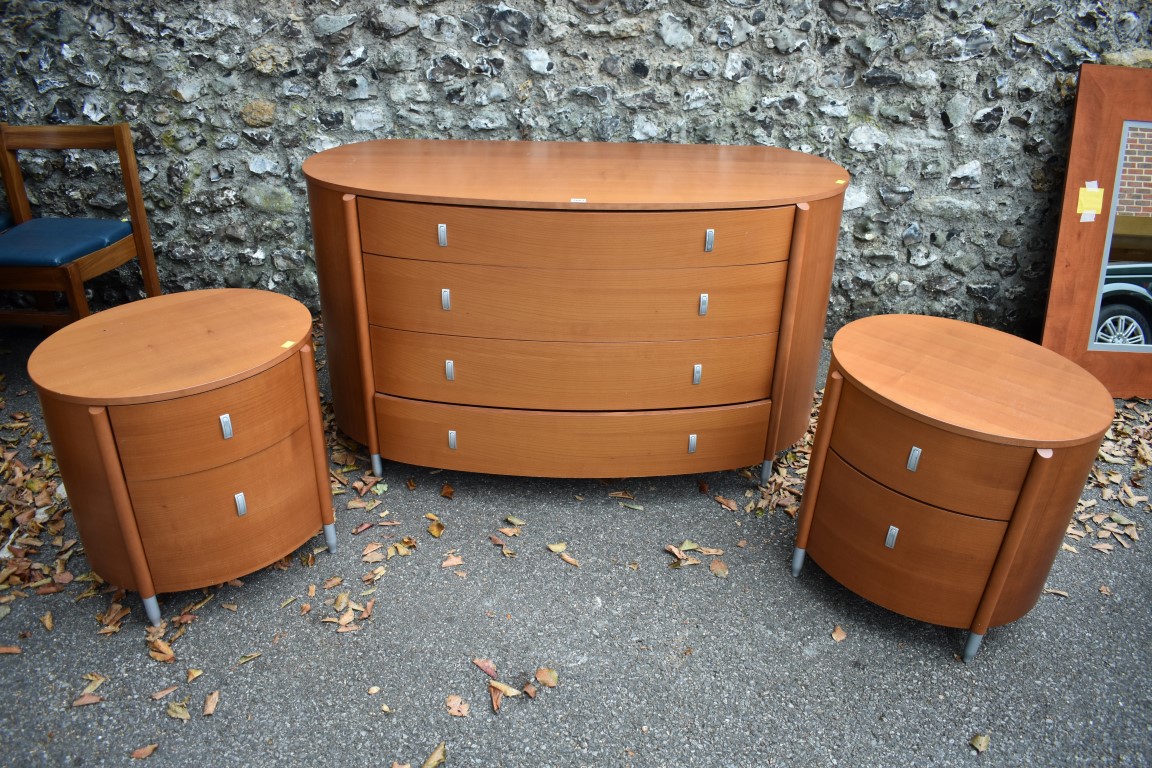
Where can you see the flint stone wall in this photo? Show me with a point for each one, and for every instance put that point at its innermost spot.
(952, 116)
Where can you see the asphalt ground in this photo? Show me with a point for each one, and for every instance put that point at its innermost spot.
(655, 666)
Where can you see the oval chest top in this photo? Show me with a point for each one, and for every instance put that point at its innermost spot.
(974, 381)
(577, 175)
(169, 346)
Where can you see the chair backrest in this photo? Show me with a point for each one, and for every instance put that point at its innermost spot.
(118, 137)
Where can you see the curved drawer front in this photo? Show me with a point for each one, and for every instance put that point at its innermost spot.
(939, 561)
(572, 376)
(193, 533)
(952, 471)
(571, 444)
(584, 239)
(188, 434)
(575, 304)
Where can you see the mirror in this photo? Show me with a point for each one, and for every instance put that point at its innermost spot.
(1100, 302)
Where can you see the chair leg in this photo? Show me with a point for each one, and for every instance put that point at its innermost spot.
(77, 302)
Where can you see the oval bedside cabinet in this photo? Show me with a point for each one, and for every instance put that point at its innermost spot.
(188, 433)
(948, 460)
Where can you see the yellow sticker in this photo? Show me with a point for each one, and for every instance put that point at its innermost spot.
(1090, 200)
(288, 344)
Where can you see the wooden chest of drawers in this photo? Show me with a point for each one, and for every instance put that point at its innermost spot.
(187, 428)
(947, 463)
(573, 310)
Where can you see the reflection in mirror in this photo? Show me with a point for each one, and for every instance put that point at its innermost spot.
(1123, 317)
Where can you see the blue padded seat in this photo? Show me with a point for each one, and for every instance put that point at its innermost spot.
(49, 242)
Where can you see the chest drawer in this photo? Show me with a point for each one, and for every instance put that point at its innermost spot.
(963, 474)
(571, 444)
(187, 434)
(573, 304)
(937, 565)
(572, 376)
(587, 239)
(190, 524)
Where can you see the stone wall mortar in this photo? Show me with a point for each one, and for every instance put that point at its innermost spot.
(952, 116)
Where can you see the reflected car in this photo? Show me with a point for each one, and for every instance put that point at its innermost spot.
(1126, 304)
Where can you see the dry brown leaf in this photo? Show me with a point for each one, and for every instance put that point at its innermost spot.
(838, 634)
(675, 551)
(86, 699)
(547, 677)
(447, 491)
(486, 666)
(711, 551)
(143, 753)
(178, 710)
(334, 581)
(457, 707)
(438, 756)
(161, 694)
(504, 688)
(719, 569)
(728, 504)
(569, 559)
(558, 547)
(979, 742)
(452, 561)
(509, 531)
(361, 528)
(48, 622)
(210, 703)
(436, 529)
(10, 649)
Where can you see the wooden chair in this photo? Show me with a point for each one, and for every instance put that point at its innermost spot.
(48, 255)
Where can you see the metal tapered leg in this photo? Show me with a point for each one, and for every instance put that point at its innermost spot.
(152, 609)
(377, 465)
(972, 646)
(330, 536)
(798, 555)
(766, 471)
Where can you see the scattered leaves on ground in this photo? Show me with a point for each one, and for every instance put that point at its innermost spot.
(838, 634)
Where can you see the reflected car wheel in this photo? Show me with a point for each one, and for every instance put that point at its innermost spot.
(1121, 324)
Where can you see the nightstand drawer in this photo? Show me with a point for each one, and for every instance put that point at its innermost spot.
(571, 444)
(198, 432)
(572, 376)
(937, 565)
(940, 468)
(584, 239)
(573, 304)
(193, 524)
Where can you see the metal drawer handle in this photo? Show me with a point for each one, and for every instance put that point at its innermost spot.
(445, 299)
(442, 235)
(914, 459)
(449, 370)
(241, 504)
(691, 443)
(709, 240)
(890, 540)
(697, 373)
(226, 426)
(703, 304)
(452, 439)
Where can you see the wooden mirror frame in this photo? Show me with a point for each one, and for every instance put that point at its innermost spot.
(1107, 97)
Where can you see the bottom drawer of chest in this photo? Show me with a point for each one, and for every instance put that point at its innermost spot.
(933, 567)
(571, 444)
(191, 527)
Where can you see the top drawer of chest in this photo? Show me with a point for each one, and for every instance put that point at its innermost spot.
(584, 239)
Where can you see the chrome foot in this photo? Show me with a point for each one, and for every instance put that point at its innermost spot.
(330, 536)
(798, 560)
(152, 608)
(972, 646)
(377, 465)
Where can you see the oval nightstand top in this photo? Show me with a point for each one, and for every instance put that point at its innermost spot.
(973, 380)
(577, 175)
(169, 346)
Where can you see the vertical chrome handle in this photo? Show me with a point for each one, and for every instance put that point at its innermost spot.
(442, 235)
(226, 426)
(691, 443)
(703, 304)
(445, 299)
(697, 373)
(709, 239)
(890, 540)
(241, 504)
(914, 459)
(452, 439)
(449, 370)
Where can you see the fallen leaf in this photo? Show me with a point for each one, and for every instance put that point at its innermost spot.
(515, 521)
(504, 688)
(48, 622)
(719, 569)
(10, 649)
(632, 505)
(95, 680)
(569, 559)
(436, 529)
(1105, 590)
(688, 546)
(161, 694)
(558, 547)
(249, 657)
(437, 758)
(334, 581)
(547, 677)
(728, 504)
(373, 690)
(447, 491)
(620, 495)
(178, 710)
(711, 551)
(675, 551)
(361, 528)
(509, 531)
(210, 703)
(457, 707)
(529, 690)
(979, 742)
(486, 666)
(86, 699)
(144, 753)
(839, 635)
(1057, 592)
